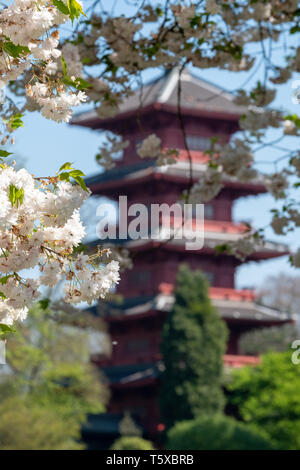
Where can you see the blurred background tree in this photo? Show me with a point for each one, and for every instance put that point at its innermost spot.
(267, 397)
(193, 343)
(50, 385)
(277, 338)
(281, 291)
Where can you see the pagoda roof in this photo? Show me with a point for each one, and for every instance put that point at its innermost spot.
(123, 376)
(198, 96)
(132, 373)
(216, 233)
(102, 423)
(179, 172)
(234, 306)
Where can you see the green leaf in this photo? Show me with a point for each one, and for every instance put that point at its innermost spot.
(294, 118)
(15, 121)
(15, 50)
(6, 329)
(16, 195)
(4, 153)
(75, 10)
(66, 166)
(78, 83)
(75, 173)
(81, 84)
(80, 248)
(61, 6)
(4, 279)
(64, 66)
(295, 29)
(44, 303)
(222, 248)
(65, 176)
(81, 182)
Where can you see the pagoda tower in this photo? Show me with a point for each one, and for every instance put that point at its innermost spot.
(135, 324)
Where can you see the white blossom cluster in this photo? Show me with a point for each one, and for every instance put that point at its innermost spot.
(208, 186)
(40, 226)
(110, 149)
(30, 43)
(236, 159)
(151, 147)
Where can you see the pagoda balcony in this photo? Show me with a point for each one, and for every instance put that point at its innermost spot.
(236, 306)
(139, 374)
(216, 232)
(218, 293)
(236, 361)
(125, 178)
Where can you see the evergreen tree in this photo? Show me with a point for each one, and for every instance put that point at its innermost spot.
(193, 343)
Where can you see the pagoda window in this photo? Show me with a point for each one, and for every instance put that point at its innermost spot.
(197, 142)
(209, 211)
(210, 276)
(138, 345)
(139, 277)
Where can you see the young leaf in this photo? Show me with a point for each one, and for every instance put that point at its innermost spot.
(75, 10)
(61, 6)
(65, 176)
(4, 153)
(79, 249)
(64, 66)
(15, 121)
(44, 303)
(4, 279)
(6, 329)
(16, 195)
(81, 182)
(15, 50)
(75, 173)
(66, 166)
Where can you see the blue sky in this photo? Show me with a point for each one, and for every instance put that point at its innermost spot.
(46, 145)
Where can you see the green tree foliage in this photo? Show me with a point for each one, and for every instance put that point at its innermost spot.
(268, 398)
(132, 443)
(50, 387)
(216, 432)
(193, 343)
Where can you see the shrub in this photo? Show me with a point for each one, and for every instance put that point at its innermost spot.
(132, 443)
(216, 432)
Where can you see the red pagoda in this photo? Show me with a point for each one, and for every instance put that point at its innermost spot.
(135, 325)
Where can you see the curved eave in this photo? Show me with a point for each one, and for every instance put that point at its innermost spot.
(139, 380)
(235, 309)
(93, 121)
(109, 187)
(269, 251)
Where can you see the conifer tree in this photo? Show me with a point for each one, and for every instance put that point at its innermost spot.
(193, 343)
